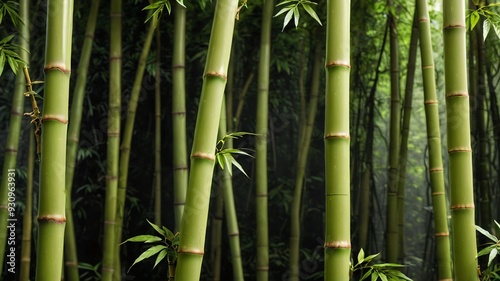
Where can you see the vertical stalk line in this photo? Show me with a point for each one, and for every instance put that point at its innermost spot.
(261, 129)
(194, 218)
(405, 132)
(394, 141)
(436, 175)
(216, 234)
(51, 213)
(302, 154)
(127, 141)
(158, 196)
(113, 142)
(28, 213)
(459, 146)
(229, 206)
(180, 155)
(70, 251)
(337, 140)
(15, 121)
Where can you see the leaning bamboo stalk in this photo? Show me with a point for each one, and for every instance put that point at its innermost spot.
(28, 213)
(51, 214)
(337, 139)
(194, 218)
(459, 145)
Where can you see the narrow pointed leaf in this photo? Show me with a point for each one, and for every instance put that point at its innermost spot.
(486, 250)
(143, 238)
(383, 276)
(361, 256)
(486, 233)
(368, 273)
(160, 257)
(311, 12)
(157, 228)
(283, 10)
(288, 17)
(237, 165)
(486, 28)
(149, 253)
(492, 256)
(296, 16)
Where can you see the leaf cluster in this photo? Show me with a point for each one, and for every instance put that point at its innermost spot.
(8, 54)
(156, 8)
(292, 10)
(224, 156)
(381, 271)
(492, 250)
(167, 247)
(491, 19)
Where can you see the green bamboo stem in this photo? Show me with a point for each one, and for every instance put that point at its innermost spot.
(405, 132)
(16, 115)
(180, 155)
(71, 260)
(392, 241)
(28, 213)
(194, 218)
(261, 128)
(302, 164)
(337, 139)
(216, 244)
(158, 196)
(459, 147)
(441, 232)
(229, 206)
(113, 142)
(51, 212)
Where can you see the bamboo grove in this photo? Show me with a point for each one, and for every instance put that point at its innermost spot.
(267, 140)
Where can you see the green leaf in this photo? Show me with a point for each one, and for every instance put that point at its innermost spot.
(368, 273)
(474, 18)
(487, 234)
(220, 159)
(6, 39)
(286, 2)
(296, 16)
(361, 256)
(149, 253)
(311, 12)
(496, 27)
(2, 62)
(160, 257)
(486, 250)
(383, 276)
(288, 17)
(486, 28)
(157, 228)
(170, 234)
(12, 63)
(143, 238)
(492, 256)
(228, 159)
(180, 2)
(381, 265)
(283, 10)
(235, 151)
(371, 257)
(237, 165)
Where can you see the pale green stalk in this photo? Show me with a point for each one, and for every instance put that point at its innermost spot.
(113, 142)
(180, 156)
(28, 213)
(337, 139)
(459, 146)
(158, 129)
(194, 218)
(16, 116)
(434, 142)
(261, 193)
(70, 250)
(51, 212)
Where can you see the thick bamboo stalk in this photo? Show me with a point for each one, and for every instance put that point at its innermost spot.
(16, 115)
(392, 240)
(180, 155)
(51, 213)
(194, 218)
(70, 251)
(113, 142)
(261, 127)
(434, 142)
(302, 155)
(337, 139)
(459, 147)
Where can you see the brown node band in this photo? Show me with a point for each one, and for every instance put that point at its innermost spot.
(203, 155)
(338, 244)
(338, 63)
(52, 218)
(462, 206)
(338, 135)
(57, 66)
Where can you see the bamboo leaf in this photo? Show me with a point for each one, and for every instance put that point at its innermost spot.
(498, 225)
(288, 17)
(487, 234)
(220, 159)
(486, 28)
(311, 12)
(486, 250)
(496, 27)
(148, 253)
(180, 2)
(286, 2)
(143, 238)
(157, 228)
(160, 257)
(296, 16)
(474, 18)
(235, 151)
(237, 165)
(6, 39)
(383, 276)
(371, 257)
(388, 265)
(361, 256)
(2, 62)
(492, 256)
(170, 234)
(228, 159)
(368, 273)
(13, 64)
(283, 10)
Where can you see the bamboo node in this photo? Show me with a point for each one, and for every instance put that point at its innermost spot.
(261, 195)
(52, 218)
(111, 58)
(423, 19)
(441, 234)
(203, 155)
(109, 222)
(58, 118)
(457, 95)
(437, 193)
(338, 135)
(180, 168)
(57, 66)
(234, 234)
(262, 268)
(451, 26)
(177, 66)
(430, 102)
(191, 252)
(460, 149)
(435, 170)
(108, 268)
(216, 74)
(431, 66)
(178, 113)
(338, 63)
(462, 206)
(338, 244)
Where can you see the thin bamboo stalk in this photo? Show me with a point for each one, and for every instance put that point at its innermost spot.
(28, 213)
(158, 196)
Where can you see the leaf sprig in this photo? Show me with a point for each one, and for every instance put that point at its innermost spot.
(382, 271)
(8, 53)
(292, 10)
(224, 156)
(492, 19)
(157, 7)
